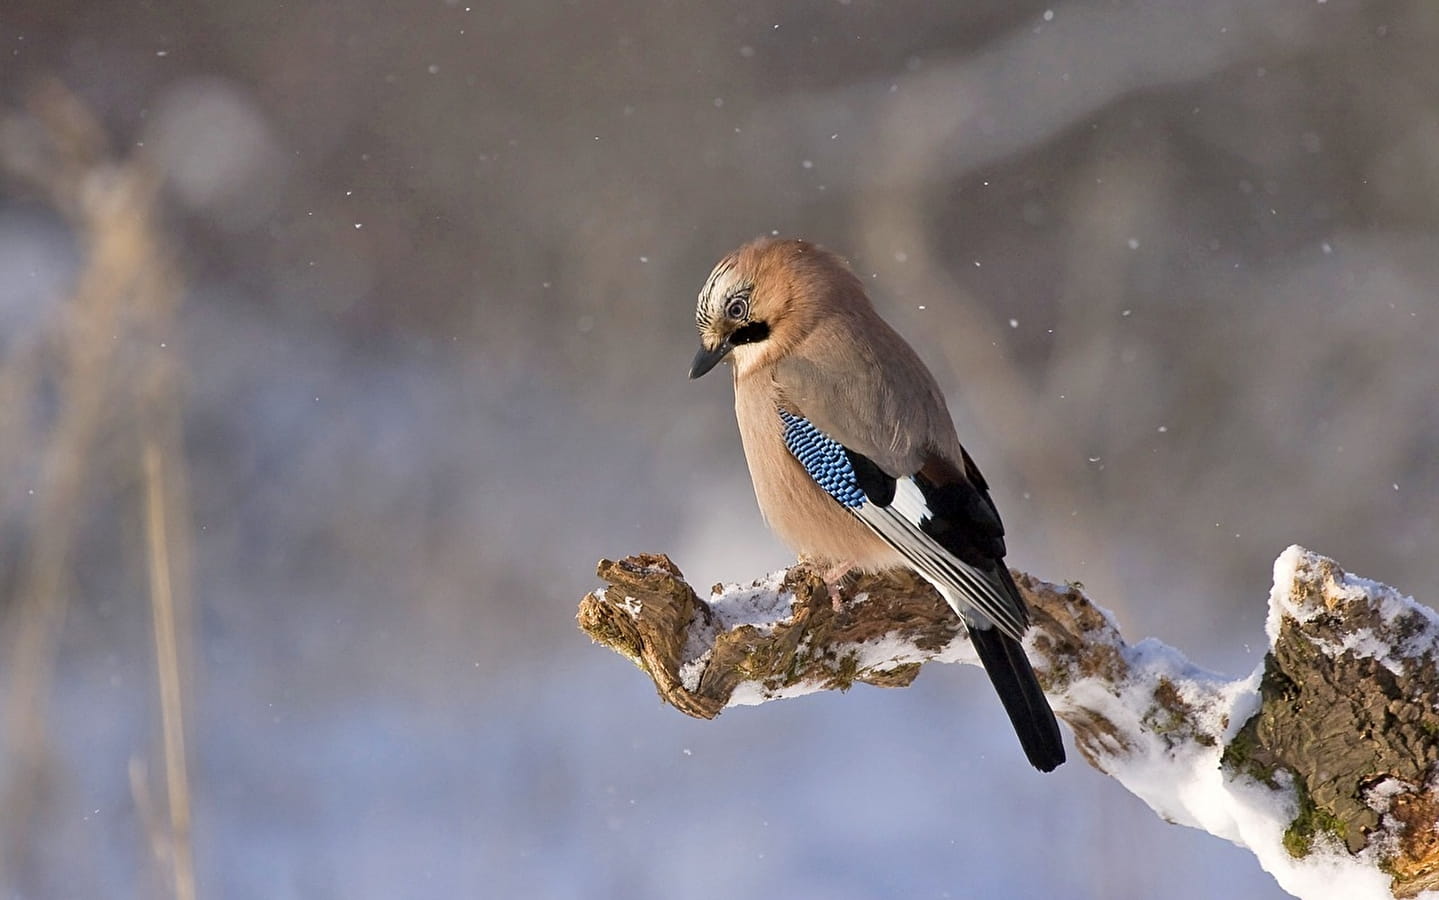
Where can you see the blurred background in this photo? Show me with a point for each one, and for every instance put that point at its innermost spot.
(341, 339)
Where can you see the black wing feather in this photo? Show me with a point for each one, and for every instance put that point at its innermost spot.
(877, 484)
(964, 519)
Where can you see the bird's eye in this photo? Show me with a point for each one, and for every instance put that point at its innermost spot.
(736, 309)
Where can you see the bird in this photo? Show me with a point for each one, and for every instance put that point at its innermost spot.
(854, 456)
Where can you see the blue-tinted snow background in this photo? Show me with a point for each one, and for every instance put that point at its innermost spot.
(1174, 263)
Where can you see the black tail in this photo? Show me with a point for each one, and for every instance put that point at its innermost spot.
(1019, 691)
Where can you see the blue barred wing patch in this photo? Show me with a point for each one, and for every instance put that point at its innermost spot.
(976, 594)
(823, 458)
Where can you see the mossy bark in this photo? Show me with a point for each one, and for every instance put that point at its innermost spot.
(1351, 739)
(1357, 737)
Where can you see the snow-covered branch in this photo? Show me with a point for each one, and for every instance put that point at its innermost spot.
(1322, 762)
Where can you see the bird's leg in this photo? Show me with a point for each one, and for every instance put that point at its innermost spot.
(833, 573)
(832, 580)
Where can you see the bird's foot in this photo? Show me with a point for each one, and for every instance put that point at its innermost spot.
(834, 578)
(834, 575)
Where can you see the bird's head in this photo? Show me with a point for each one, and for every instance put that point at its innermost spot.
(763, 298)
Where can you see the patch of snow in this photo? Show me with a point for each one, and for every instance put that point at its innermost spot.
(762, 605)
(693, 667)
(1401, 614)
(1182, 780)
(753, 693)
(766, 605)
(887, 652)
(1184, 783)
(1382, 794)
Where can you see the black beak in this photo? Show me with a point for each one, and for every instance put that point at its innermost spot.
(707, 359)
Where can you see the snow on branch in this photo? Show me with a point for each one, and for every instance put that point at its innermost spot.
(1321, 762)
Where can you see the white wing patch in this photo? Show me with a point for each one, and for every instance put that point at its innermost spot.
(909, 501)
(974, 594)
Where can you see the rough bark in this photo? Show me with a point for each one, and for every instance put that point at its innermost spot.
(1342, 726)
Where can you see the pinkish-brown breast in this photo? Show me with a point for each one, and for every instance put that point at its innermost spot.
(798, 510)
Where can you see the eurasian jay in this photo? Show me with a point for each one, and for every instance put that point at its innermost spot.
(854, 456)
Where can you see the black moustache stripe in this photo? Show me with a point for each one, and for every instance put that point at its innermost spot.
(749, 334)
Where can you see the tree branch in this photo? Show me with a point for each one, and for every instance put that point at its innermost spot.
(1321, 763)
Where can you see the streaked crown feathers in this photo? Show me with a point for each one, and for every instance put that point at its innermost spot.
(723, 286)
